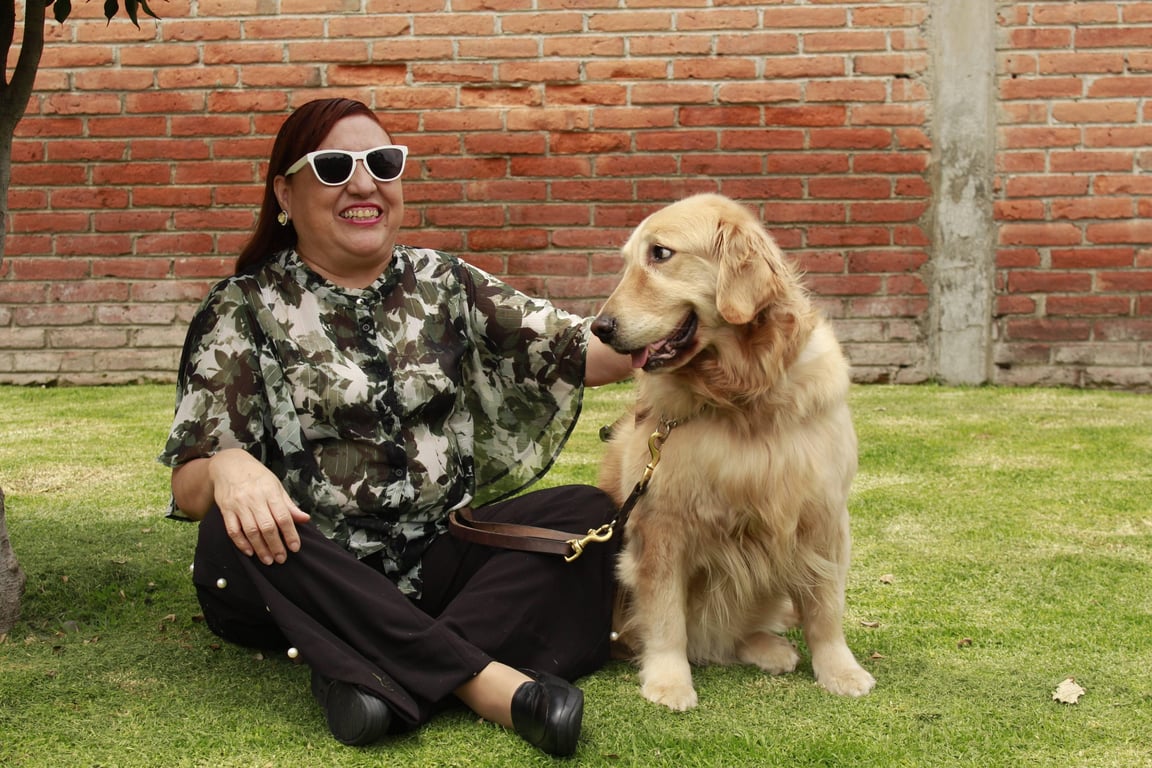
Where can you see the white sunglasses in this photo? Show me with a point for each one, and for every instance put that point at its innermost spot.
(335, 167)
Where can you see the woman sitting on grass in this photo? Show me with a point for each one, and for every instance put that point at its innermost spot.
(337, 397)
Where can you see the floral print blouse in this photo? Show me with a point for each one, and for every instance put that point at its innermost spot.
(381, 409)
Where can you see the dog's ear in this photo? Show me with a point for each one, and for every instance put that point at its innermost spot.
(749, 278)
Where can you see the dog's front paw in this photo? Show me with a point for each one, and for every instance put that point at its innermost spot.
(676, 696)
(668, 681)
(850, 681)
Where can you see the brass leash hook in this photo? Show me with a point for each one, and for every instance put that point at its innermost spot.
(655, 443)
(600, 535)
(604, 532)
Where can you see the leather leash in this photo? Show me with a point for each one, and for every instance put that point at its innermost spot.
(529, 538)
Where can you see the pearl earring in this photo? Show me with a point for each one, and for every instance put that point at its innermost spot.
(282, 218)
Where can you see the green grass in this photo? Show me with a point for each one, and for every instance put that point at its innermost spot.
(1003, 542)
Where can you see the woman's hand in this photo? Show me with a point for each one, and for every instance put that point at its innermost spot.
(258, 514)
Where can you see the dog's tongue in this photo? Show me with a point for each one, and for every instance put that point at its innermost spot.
(640, 358)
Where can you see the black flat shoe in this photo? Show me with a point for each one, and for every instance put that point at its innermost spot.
(355, 718)
(547, 713)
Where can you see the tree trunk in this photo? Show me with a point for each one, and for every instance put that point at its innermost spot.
(11, 578)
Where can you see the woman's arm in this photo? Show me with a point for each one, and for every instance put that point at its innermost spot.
(605, 365)
(258, 514)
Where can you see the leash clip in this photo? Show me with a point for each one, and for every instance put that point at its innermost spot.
(595, 535)
(655, 443)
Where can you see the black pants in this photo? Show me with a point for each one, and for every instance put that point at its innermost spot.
(350, 622)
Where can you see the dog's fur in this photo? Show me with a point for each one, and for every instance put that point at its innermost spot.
(743, 529)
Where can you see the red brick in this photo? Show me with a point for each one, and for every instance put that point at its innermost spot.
(807, 116)
(758, 43)
(127, 126)
(889, 307)
(714, 69)
(890, 64)
(719, 116)
(720, 19)
(1136, 232)
(632, 166)
(629, 22)
(53, 315)
(1115, 185)
(1113, 37)
(1092, 258)
(1040, 234)
(1015, 305)
(1089, 161)
(1020, 281)
(766, 140)
(135, 314)
(1131, 281)
(855, 285)
(185, 268)
(89, 292)
(1087, 305)
(644, 93)
(890, 114)
(1031, 136)
(1092, 208)
(542, 23)
(1040, 37)
(82, 104)
(1129, 86)
(887, 211)
(669, 190)
(1045, 88)
(804, 67)
(587, 45)
(88, 198)
(849, 236)
(887, 261)
(1080, 63)
(1124, 329)
(590, 189)
(86, 245)
(763, 188)
(785, 212)
(1018, 210)
(1022, 162)
(848, 40)
(852, 187)
(1095, 112)
(1044, 329)
(48, 222)
(131, 268)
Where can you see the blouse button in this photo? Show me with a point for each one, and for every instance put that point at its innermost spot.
(398, 472)
(366, 326)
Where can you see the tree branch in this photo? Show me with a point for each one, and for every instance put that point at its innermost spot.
(14, 98)
(7, 30)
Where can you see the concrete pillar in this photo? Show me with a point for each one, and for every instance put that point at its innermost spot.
(962, 45)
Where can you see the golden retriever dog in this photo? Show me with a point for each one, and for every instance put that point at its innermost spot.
(743, 528)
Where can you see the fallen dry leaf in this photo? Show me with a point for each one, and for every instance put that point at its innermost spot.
(887, 578)
(870, 624)
(1068, 692)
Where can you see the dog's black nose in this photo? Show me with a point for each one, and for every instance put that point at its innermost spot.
(604, 328)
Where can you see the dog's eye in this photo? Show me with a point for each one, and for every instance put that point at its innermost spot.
(658, 253)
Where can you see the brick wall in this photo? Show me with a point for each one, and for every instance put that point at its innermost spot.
(1074, 194)
(542, 131)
